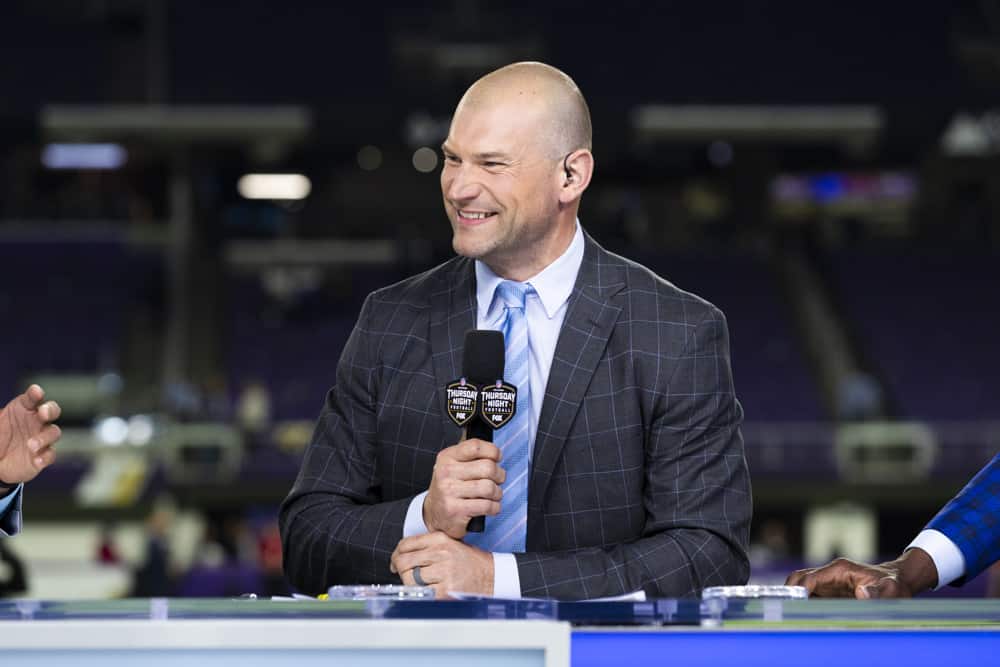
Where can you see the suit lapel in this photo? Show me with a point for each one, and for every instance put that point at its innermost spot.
(453, 312)
(590, 320)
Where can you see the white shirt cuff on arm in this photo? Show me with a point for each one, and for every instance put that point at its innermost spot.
(506, 581)
(947, 557)
(414, 523)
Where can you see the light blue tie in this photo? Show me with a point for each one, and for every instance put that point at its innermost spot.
(506, 532)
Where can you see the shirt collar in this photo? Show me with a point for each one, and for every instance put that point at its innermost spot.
(553, 284)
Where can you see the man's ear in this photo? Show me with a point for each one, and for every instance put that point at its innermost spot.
(578, 167)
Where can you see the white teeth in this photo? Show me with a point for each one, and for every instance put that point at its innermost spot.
(473, 216)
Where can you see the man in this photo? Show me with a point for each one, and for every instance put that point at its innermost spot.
(959, 543)
(623, 467)
(27, 436)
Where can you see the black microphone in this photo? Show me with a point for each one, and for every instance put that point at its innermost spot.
(482, 365)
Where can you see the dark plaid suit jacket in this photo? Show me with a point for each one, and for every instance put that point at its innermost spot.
(972, 521)
(638, 478)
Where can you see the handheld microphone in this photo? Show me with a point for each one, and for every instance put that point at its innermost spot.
(482, 368)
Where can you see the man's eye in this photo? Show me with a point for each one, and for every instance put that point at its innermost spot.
(451, 158)
(492, 164)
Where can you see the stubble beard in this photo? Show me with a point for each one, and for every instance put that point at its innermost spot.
(467, 243)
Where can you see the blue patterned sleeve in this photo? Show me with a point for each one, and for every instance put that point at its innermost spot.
(972, 521)
(10, 513)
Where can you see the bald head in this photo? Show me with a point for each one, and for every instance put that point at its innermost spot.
(541, 89)
(517, 160)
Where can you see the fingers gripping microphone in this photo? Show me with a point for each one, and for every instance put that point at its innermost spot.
(482, 373)
(482, 364)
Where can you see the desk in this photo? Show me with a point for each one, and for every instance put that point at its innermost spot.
(262, 632)
(779, 633)
(786, 647)
(267, 643)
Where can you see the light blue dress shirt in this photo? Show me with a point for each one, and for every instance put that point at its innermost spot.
(10, 512)
(545, 311)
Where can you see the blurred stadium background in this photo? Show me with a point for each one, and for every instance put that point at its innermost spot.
(827, 173)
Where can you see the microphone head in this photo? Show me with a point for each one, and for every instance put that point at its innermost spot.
(483, 356)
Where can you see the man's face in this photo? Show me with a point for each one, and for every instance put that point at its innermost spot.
(500, 184)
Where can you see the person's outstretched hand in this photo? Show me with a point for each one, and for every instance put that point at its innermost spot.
(27, 436)
(911, 573)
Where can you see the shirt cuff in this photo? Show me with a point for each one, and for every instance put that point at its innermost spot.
(506, 581)
(414, 523)
(947, 557)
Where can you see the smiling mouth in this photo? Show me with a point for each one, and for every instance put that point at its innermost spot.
(474, 216)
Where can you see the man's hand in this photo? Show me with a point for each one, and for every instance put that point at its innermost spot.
(466, 483)
(911, 573)
(445, 564)
(27, 435)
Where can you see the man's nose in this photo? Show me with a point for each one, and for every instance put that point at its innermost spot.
(461, 185)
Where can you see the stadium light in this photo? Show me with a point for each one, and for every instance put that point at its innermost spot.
(274, 186)
(111, 431)
(425, 160)
(84, 156)
(782, 124)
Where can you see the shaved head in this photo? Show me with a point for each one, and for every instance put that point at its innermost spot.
(516, 162)
(564, 119)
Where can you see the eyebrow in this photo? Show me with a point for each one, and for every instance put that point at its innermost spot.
(493, 156)
(489, 155)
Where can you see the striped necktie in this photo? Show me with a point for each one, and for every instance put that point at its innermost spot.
(507, 531)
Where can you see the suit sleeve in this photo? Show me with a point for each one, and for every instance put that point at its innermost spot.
(972, 521)
(697, 493)
(335, 529)
(10, 512)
